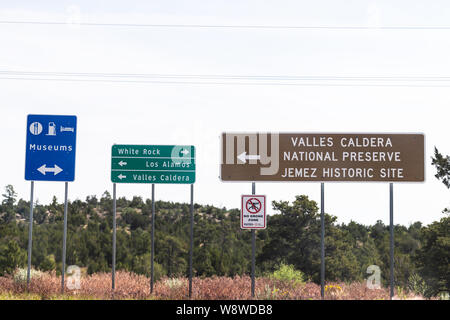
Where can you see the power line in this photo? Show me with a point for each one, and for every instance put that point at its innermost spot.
(208, 26)
(228, 83)
(225, 76)
(227, 79)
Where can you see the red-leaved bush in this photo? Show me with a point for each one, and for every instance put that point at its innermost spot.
(133, 286)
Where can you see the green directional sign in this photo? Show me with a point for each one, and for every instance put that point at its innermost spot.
(152, 164)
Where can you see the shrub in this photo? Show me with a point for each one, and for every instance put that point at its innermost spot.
(20, 275)
(417, 285)
(272, 293)
(142, 265)
(158, 271)
(49, 263)
(174, 283)
(333, 290)
(11, 257)
(288, 273)
(444, 296)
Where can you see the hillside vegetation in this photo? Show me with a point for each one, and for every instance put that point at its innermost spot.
(221, 248)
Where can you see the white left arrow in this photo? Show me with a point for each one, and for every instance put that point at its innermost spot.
(43, 169)
(121, 176)
(122, 163)
(243, 157)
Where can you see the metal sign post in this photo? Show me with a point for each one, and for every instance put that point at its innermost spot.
(114, 239)
(253, 249)
(391, 242)
(153, 239)
(191, 249)
(322, 240)
(64, 237)
(30, 235)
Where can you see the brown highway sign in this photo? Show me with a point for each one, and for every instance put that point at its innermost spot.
(323, 157)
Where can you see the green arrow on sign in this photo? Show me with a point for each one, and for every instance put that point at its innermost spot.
(153, 164)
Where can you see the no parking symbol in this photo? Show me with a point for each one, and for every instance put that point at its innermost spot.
(253, 212)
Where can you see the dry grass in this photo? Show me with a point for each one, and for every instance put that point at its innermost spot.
(133, 286)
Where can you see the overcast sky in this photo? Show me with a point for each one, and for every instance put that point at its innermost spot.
(196, 114)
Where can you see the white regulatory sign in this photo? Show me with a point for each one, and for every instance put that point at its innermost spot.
(253, 212)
